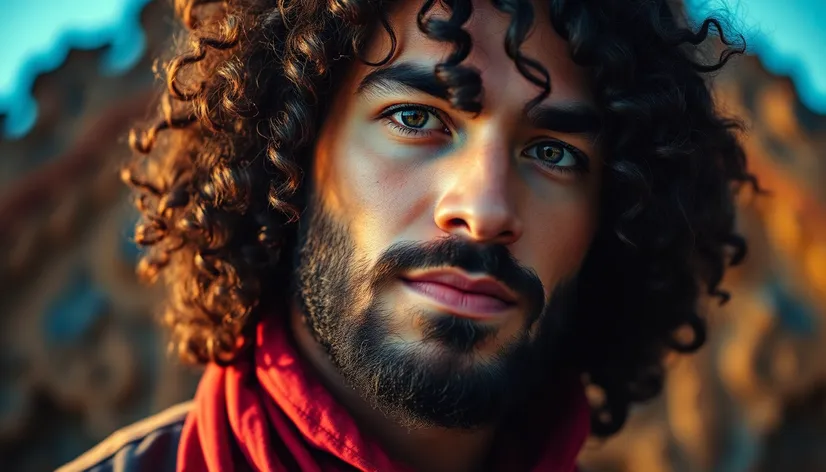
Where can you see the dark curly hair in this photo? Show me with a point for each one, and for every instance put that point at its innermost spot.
(218, 178)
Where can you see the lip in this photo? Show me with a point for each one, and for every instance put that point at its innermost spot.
(461, 294)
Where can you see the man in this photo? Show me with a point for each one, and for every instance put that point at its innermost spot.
(402, 235)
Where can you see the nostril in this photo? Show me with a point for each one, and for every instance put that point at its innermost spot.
(456, 222)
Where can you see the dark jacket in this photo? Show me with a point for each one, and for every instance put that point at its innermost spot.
(149, 445)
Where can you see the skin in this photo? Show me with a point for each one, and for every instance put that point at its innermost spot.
(475, 177)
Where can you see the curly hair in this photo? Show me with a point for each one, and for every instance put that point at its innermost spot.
(218, 178)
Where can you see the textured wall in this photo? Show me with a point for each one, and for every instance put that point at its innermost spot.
(80, 353)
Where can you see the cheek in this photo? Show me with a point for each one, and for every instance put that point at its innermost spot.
(558, 241)
(371, 189)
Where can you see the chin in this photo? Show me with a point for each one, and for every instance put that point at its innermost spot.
(457, 335)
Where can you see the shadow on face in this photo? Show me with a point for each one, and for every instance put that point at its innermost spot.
(437, 237)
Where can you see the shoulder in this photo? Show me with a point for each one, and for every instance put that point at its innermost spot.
(150, 444)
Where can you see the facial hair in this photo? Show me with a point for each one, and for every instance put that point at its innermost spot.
(438, 381)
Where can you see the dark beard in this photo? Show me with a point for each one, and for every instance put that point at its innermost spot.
(438, 381)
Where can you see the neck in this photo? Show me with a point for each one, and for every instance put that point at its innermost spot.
(428, 448)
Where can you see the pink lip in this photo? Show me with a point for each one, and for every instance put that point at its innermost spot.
(461, 294)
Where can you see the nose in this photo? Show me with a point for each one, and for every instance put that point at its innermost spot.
(478, 200)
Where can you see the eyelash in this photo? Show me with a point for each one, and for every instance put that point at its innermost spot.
(404, 130)
(407, 131)
(581, 166)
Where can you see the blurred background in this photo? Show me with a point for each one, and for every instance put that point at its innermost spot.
(80, 352)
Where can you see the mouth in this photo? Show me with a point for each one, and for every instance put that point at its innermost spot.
(460, 294)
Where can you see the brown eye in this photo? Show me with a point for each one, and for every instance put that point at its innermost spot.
(551, 154)
(558, 157)
(554, 154)
(414, 118)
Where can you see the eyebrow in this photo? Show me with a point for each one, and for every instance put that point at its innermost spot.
(568, 118)
(404, 77)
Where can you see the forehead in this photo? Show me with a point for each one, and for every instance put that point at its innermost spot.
(487, 27)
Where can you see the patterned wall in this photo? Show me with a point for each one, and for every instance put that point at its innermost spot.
(80, 352)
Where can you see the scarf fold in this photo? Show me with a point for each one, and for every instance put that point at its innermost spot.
(276, 416)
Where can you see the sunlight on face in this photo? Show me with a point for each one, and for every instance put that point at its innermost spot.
(396, 164)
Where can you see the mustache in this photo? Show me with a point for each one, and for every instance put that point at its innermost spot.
(494, 260)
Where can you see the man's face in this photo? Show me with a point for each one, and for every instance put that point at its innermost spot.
(439, 247)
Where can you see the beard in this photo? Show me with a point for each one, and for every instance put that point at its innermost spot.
(437, 381)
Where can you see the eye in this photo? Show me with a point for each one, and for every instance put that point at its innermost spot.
(415, 120)
(558, 156)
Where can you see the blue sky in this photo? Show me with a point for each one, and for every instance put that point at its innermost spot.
(789, 36)
(38, 34)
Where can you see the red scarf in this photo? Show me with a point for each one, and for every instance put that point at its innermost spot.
(275, 416)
